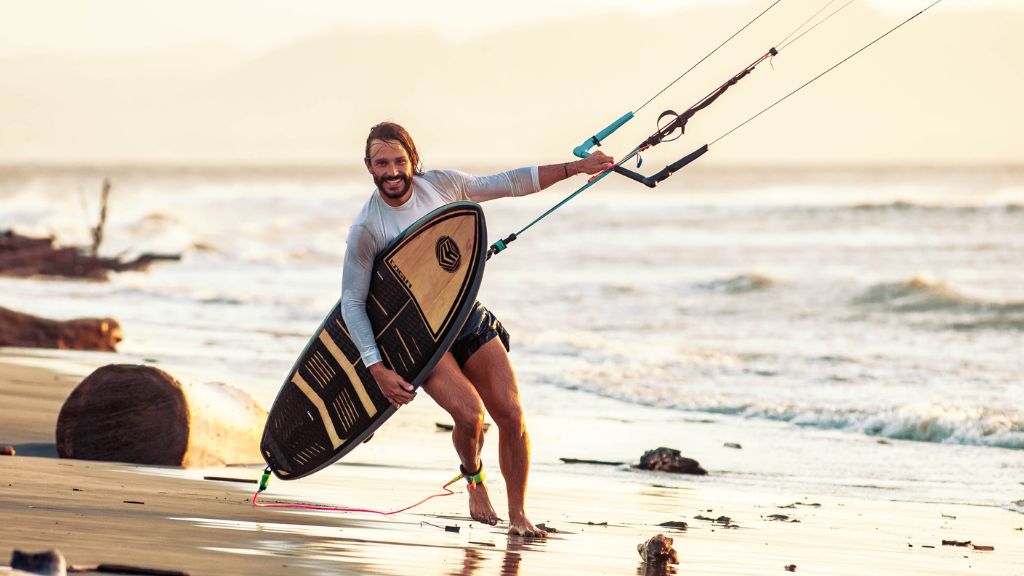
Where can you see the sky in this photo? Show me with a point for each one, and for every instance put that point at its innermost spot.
(138, 81)
(253, 26)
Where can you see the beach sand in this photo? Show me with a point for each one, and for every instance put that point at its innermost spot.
(170, 519)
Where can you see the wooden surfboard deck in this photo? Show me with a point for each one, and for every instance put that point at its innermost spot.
(421, 293)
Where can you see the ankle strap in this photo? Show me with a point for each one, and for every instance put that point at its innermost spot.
(476, 478)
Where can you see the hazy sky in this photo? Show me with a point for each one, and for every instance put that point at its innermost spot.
(253, 26)
(209, 81)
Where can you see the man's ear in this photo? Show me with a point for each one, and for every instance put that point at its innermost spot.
(367, 162)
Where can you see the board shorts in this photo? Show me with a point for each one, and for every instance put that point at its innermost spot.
(481, 327)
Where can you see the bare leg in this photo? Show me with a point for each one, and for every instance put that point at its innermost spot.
(448, 386)
(491, 373)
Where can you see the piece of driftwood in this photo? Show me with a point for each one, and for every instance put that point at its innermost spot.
(597, 462)
(142, 415)
(449, 427)
(97, 231)
(123, 569)
(229, 479)
(24, 256)
(27, 331)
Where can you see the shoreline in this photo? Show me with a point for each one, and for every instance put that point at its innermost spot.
(90, 511)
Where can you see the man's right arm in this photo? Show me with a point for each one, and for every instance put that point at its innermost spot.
(355, 287)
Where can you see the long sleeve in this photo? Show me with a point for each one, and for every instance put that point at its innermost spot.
(462, 186)
(355, 282)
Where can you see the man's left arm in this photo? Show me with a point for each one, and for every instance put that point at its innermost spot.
(594, 164)
(518, 182)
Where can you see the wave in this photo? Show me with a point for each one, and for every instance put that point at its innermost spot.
(741, 284)
(923, 295)
(1001, 323)
(907, 206)
(926, 423)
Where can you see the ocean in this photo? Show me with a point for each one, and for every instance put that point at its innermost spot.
(859, 329)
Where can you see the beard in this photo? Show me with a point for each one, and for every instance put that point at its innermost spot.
(380, 182)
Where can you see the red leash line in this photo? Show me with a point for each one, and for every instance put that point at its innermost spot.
(446, 492)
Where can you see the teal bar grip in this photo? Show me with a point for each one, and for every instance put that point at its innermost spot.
(583, 150)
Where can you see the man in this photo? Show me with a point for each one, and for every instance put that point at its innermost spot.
(476, 373)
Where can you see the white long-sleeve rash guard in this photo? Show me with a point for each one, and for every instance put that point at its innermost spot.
(378, 224)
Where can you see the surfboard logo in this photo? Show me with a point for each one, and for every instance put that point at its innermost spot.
(448, 255)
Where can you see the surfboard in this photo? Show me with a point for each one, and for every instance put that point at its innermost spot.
(422, 290)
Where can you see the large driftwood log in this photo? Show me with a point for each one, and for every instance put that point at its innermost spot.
(26, 331)
(142, 415)
(25, 256)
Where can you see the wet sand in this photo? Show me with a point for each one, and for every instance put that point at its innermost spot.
(175, 520)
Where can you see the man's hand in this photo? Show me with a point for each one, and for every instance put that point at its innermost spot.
(395, 389)
(595, 163)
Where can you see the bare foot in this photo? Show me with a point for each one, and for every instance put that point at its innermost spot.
(480, 508)
(523, 527)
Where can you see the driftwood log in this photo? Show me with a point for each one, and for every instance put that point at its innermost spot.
(25, 256)
(26, 331)
(142, 415)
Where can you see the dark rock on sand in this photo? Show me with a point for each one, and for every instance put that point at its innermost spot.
(50, 563)
(7, 450)
(780, 518)
(723, 520)
(26, 331)
(795, 504)
(658, 551)
(670, 460)
(142, 415)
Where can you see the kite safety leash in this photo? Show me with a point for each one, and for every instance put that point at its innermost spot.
(265, 479)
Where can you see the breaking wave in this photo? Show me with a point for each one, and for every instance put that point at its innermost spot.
(926, 423)
(922, 295)
(739, 284)
(907, 206)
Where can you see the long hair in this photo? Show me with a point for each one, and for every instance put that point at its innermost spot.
(392, 131)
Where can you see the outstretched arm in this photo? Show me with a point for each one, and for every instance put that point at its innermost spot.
(517, 182)
(595, 163)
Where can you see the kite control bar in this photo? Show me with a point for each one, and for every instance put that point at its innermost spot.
(678, 122)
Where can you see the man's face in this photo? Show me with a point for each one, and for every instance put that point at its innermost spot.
(391, 169)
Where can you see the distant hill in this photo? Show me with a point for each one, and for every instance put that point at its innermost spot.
(944, 89)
